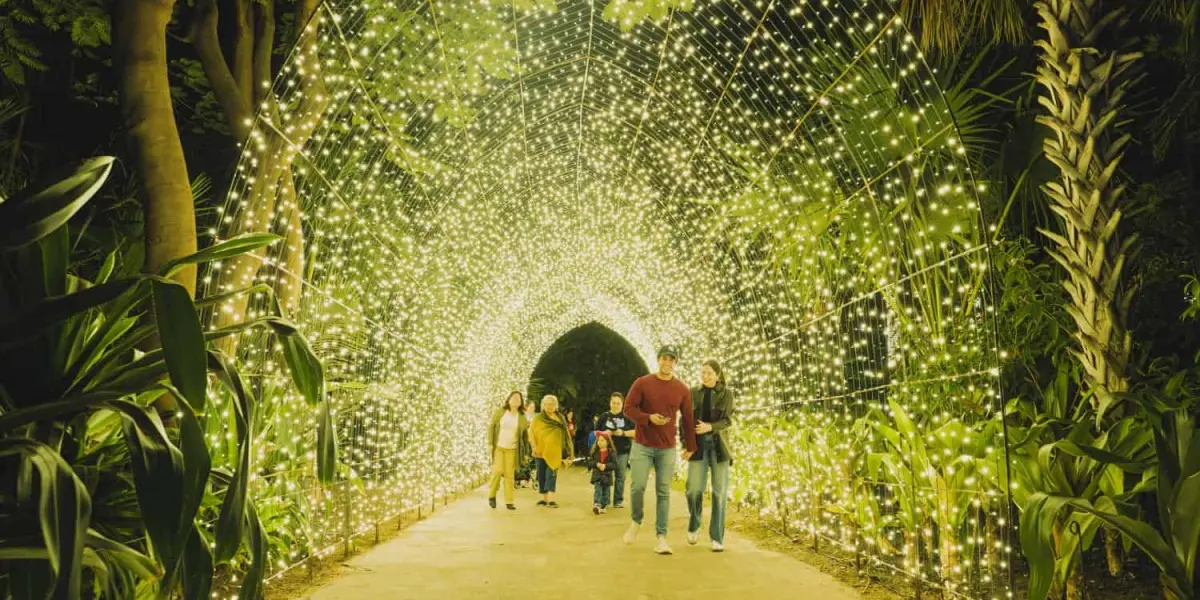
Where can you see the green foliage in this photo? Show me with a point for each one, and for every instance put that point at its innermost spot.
(628, 13)
(99, 470)
(21, 21)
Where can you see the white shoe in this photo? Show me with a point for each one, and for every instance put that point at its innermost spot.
(631, 533)
(693, 537)
(718, 546)
(604, 511)
(662, 547)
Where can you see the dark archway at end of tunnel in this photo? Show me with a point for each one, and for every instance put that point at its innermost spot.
(584, 366)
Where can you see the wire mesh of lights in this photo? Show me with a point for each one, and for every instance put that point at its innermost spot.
(776, 184)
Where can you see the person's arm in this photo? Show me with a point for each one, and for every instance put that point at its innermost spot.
(689, 422)
(633, 405)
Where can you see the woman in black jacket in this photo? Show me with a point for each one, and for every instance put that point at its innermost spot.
(713, 403)
(602, 461)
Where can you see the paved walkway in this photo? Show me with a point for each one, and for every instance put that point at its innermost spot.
(469, 551)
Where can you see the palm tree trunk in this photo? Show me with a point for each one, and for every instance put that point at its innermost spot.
(1083, 90)
(140, 57)
(1113, 552)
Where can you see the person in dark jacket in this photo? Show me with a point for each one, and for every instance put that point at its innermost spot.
(621, 429)
(713, 405)
(603, 462)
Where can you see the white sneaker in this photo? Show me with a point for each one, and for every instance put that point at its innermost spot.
(662, 547)
(693, 537)
(631, 533)
(604, 511)
(718, 546)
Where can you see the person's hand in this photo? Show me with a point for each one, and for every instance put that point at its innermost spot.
(703, 427)
(618, 432)
(658, 419)
(686, 455)
(602, 466)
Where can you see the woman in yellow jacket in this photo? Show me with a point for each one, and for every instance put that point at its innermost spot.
(510, 446)
(552, 449)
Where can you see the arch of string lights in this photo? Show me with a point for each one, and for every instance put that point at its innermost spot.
(775, 184)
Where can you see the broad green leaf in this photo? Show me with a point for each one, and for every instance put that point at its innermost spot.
(1036, 530)
(252, 582)
(197, 567)
(232, 517)
(64, 508)
(182, 340)
(302, 362)
(225, 250)
(52, 311)
(326, 445)
(1185, 521)
(44, 207)
(158, 472)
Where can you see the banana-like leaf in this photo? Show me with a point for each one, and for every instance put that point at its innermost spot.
(182, 340)
(252, 582)
(225, 250)
(326, 445)
(52, 311)
(169, 482)
(232, 517)
(197, 567)
(64, 506)
(302, 362)
(1037, 540)
(40, 209)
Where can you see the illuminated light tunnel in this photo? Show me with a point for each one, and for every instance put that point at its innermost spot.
(779, 185)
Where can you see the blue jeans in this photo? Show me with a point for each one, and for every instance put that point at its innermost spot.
(547, 477)
(619, 479)
(600, 496)
(641, 458)
(698, 473)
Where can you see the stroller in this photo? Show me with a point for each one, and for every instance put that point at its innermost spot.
(524, 475)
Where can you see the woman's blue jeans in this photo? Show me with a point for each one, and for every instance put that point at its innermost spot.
(698, 474)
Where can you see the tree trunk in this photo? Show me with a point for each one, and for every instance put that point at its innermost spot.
(1083, 90)
(140, 57)
(269, 200)
(1113, 552)
(288, 283)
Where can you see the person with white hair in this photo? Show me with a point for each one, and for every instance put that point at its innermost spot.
(552, 448)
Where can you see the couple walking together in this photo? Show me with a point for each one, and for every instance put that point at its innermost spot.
(706, 412)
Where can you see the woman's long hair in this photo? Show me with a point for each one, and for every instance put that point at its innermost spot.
(716, 367)
(508, 399)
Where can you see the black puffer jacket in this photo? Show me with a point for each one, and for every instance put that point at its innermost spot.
(604, 477)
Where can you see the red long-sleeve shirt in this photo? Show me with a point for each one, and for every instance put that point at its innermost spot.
(650, 395)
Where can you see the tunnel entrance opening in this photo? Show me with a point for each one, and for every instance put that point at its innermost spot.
(583, 367)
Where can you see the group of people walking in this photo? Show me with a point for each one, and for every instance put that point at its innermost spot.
(641, 431)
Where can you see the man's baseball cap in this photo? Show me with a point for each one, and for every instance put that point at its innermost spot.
(668, 350)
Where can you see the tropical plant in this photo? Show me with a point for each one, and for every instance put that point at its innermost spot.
(1174, 547)
(97, 489)
(1084, 90)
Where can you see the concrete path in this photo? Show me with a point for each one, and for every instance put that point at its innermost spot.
(469, 551)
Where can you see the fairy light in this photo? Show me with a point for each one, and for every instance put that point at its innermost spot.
(777, 184)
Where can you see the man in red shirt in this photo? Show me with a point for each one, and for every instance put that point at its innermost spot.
(652, 404)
